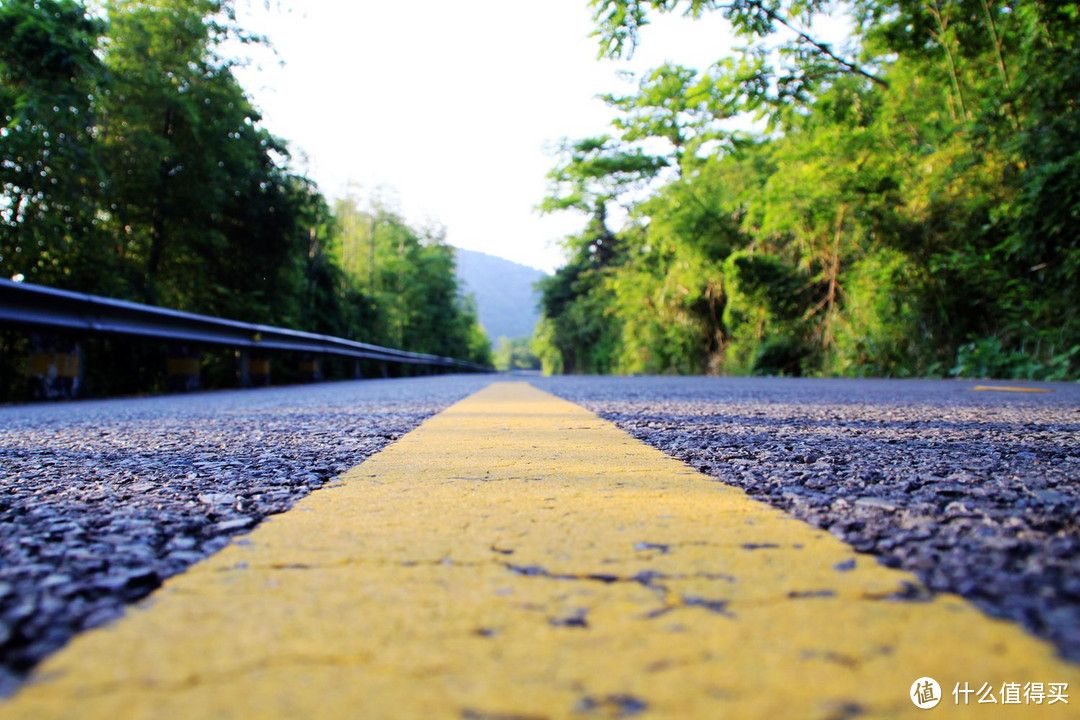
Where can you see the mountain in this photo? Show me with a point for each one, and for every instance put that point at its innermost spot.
(505, 298)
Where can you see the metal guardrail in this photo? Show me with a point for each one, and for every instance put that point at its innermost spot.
(26, 304)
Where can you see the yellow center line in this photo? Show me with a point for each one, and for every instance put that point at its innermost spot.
(518, 557)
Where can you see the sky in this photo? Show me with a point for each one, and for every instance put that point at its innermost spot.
(449, 109)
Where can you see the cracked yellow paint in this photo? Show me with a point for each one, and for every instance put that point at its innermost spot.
(516, 557)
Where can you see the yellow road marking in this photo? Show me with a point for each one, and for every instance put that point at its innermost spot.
(1010, 388)
(517, 557)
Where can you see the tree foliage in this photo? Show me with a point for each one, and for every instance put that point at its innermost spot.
(910, 206)
(514, 354)
(51, 173)
(134, 165)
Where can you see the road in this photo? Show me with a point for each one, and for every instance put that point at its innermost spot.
(973, 491)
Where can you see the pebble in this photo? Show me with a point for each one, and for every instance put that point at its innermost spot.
(876, 503)
(230, 526)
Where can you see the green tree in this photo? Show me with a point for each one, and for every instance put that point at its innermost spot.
(515, 354)
(578, 332)
(914, 197)
(593, 176)
(764, 315)
(675, 104)
(405, 284)
(51, 175)
(784, 64)
(184, 149)
(669, 294)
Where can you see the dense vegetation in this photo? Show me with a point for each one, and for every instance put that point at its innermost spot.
(513, 354)
(133, 165)
(910, 204)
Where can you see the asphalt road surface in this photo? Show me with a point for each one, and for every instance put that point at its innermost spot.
(974, 491)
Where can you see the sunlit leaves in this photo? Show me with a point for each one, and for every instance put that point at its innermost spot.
(913, 207)
(50, 177)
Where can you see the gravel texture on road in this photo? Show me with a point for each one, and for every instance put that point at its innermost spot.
(977, 493)
(104, 500)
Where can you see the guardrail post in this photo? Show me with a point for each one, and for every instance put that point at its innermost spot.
(310, 368)
(55, 367)
(259, 370)
(182, 369)
(253, 369)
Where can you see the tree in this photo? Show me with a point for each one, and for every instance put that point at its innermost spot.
(51, 176)
(788, 70)
(404, 282)
(675, 104)
(184, 145)
(515, 354)
(593, 175)
(670, 294)
(913, 195)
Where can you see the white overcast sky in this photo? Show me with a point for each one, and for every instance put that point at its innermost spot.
(450, 104)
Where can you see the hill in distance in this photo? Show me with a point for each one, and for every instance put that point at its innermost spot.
(505, 297)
